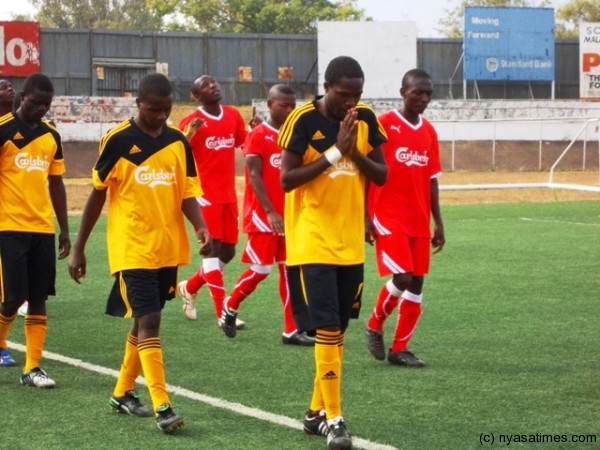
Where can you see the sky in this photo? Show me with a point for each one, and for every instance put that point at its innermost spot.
(426, 13)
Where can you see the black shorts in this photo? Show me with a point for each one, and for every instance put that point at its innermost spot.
(325, 295)
(28, 262)
(139, 292)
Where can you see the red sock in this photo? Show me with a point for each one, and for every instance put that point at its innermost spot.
(214, 281)
(195, 282)
(246, 284)
(386, 304)
(289, 324)
(408, 315)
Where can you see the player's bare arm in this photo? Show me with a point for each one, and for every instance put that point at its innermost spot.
(439, 239)
(91, 213)
(254, 119)
(192, 127)
(255, 176)
(294, 174)
(190, 209)
(58, 197)
(373, 165)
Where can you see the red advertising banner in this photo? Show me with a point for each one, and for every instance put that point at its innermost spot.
(19, 48)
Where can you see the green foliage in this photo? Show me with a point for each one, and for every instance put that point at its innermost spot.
(509, 332)
(225, 16)
(102, 14)
(264, 16)
(573, 12)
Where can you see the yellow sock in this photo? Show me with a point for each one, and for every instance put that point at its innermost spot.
(316, 402)
(341, 350)
(35, 336)
(151, 357)
(5, 324)
(329, 374)
(130, 368)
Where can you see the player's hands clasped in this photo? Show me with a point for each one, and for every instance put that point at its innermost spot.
(346, 138)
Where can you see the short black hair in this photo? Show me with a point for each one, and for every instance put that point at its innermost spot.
(414, 74)
(154, 83)
(195, 88)
(37, 81)
(343, 67)
(282, 89)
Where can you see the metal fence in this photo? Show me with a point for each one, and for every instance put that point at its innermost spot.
(110, 63)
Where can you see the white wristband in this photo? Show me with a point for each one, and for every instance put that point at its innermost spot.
(333, 155)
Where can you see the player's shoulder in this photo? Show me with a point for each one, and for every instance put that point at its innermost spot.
(7, 119)
(390, 114)
(302, 111)
(187, 118)
(231, 110)
(174, 132)
(118, 132)
(427, 122)
(365, 112)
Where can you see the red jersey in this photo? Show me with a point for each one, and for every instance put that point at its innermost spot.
(262, 142)
(213, 147)
(403, 203)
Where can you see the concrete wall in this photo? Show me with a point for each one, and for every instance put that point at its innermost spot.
(474, 135)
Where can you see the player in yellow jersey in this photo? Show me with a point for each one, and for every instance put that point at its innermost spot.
(31, 193)
(148, 169)
(7, 96)
(332, 145)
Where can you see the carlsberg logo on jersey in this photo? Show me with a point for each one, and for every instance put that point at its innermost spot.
(29, 163)
(153, 177)
(343, 167)
(411, 158)
(275, 160)
(219, 143)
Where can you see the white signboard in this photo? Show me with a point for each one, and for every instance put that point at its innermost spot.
(385, 51)
(589, 60)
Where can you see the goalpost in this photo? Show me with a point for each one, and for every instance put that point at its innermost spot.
(579, 187)
(592, 124)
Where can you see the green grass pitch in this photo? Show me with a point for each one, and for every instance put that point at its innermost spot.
(509, 332)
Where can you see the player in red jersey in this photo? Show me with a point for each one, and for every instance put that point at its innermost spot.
(214, 132)
(401, 212)
(263, 216)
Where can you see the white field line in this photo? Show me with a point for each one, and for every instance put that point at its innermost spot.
(237, 408)
(562, 222)
(528, 219)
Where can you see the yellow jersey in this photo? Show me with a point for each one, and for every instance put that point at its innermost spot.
(148, 178)
(27, 157)
(324, 218)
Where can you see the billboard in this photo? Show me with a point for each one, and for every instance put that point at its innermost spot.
(19, 48)
(385, 51)
(509, 44)
(589, 60)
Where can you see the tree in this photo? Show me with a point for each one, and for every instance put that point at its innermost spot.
(227, 16)
(257, 16)
(111, 14)
(452, 25)
(575, 11)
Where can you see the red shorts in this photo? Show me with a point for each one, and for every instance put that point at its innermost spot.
(221, 220)
(400, 253)
(264, 248)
